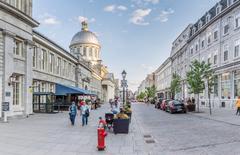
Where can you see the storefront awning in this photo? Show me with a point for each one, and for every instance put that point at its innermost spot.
(62, 90)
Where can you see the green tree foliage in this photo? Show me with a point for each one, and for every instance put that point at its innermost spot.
(195, 79)
(210, 79)
(150, 92)
(199, 75)
(141, 96)
(175, 84)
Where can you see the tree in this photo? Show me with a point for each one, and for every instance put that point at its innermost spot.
(175, 84)
(150, 92)
(195, 79)
(210, 79)
(141, 96)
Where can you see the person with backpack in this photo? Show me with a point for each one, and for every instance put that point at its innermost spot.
(73, 112)
(85, 112)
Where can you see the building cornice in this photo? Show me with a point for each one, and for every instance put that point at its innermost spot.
(217, 17)
(8, 33)
(236, 63)
(87, 44)
(52, 45)
(163, 64)
(19, 14)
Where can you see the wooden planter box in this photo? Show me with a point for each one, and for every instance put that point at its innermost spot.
(191, 107)
(121, 126)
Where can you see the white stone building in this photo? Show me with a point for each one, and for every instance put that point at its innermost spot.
(163, 77)
(215, 38)
(180, 61)
(86, 47)
(30, 62)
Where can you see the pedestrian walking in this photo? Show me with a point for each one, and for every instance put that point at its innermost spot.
(85, 112)
(111, 103)
(116, 103)
(73, 112)
(238, 106)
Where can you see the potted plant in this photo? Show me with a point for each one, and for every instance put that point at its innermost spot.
(128, 111)
(121, 123)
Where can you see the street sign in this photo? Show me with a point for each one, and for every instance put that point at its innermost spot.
(123, 83)
(5, 106)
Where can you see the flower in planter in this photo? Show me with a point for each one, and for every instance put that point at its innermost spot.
(121, 115)
(128, 110)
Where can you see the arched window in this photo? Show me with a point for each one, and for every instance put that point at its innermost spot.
(90, 52)
(95, 51)
(84, 51)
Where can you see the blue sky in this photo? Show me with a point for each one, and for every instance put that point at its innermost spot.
(136, 35)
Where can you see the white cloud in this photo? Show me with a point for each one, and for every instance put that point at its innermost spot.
(82, 18)
(48, 19)
(139, 15)
(113, 8)
(145, 2)
(164, 15)
(152, 1)
(122, 8)
(110, 8)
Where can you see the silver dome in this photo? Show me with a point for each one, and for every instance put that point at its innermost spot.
(85, 37)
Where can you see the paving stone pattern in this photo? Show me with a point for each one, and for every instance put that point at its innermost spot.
(177, 134)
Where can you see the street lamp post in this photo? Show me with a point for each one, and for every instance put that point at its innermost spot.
(124, 84)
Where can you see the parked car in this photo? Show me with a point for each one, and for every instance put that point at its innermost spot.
(158, 103)
(175, 106)
(164, 104)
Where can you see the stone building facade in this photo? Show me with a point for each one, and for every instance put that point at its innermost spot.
(30, 62)
(214, 38)
(163, 76)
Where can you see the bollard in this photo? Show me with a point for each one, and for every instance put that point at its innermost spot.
(5, 117)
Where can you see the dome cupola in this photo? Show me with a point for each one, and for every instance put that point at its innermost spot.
(85, 36)
(85, 45)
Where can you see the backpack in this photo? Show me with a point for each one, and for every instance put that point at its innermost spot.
(87, 113)
(73, 110)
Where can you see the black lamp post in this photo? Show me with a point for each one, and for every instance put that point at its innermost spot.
(124, 83)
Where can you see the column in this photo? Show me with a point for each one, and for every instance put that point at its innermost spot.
(28, 78)
(232, 90)
(1, 70)
(219, 89)
(8, 67)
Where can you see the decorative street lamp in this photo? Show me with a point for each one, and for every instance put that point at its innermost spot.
(124, 74)
(124, 84)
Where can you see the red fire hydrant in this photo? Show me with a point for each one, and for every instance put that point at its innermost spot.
(101, 139)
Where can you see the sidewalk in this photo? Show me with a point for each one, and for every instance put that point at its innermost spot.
(52, 134)
(219, 114)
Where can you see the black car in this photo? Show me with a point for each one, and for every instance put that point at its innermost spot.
(175, 106)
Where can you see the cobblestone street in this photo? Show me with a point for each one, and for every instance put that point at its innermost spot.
(44, 134)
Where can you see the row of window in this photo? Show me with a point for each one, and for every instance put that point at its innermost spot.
(49, 62)
(209, 17)
(86, 51)
(23, 5)
(226, 53)
(42, 86)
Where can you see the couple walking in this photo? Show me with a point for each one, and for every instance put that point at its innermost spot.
(84, 112)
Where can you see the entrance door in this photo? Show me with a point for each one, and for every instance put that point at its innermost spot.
(17, 93)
